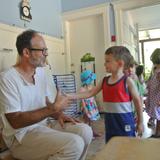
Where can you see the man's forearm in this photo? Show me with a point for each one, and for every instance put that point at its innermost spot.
(23, 119)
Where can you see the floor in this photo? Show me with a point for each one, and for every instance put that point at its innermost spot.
(98, 143)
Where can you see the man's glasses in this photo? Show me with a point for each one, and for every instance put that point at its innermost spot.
(43, 50)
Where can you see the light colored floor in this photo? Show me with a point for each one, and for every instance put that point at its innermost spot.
(98, 143)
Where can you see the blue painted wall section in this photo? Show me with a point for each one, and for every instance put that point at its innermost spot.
(46, 16)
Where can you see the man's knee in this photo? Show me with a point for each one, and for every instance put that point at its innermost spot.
(78, 142)
(85, 131)
(76, 146)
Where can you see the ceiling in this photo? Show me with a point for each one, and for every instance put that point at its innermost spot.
(146, 17)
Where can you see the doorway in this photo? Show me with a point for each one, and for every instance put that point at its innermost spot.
(149, 40)
(86, 31)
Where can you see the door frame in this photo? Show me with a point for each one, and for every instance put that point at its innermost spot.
(102, 9)
(124, 5)
(142, 47)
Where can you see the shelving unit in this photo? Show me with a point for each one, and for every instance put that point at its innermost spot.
(66, 83)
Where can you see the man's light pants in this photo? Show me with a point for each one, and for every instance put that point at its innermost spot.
(43, 143)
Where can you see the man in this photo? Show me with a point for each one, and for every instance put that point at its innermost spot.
(24, 108)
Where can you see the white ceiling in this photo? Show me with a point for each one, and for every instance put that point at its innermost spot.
(146, 17)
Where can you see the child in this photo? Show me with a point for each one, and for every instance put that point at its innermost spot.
(135, 72)
(153, 98)
(89, 105)
(142, 88)
(131, 72)
(140, 75)
(118, 91)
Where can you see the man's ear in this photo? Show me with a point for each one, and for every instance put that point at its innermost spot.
(26, 52)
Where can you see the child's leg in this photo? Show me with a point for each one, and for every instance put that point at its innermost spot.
(95, 133)
(86, 119)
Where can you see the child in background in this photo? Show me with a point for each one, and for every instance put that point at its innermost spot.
(140, 75)
(118, 92)
(131, 71)
(153, 98)
(135, 72)
(89, 105)
(141, 83)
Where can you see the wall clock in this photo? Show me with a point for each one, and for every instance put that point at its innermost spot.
(25, 10)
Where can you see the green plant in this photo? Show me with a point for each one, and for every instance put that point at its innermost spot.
(87, 57)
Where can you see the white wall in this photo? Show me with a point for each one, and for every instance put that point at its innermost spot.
(8, 53)
(147, 17)
(130, 34)
(56, 56)
(86, 35)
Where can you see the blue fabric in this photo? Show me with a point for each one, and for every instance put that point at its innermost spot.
(119, 124)
(87, 77)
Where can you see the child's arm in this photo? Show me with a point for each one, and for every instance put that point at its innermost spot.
(88, 93)
(138, 104)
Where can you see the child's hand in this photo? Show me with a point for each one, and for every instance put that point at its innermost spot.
(140, 129)
(72, 96)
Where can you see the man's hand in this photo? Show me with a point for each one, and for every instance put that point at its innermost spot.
(61, 102)
(64, 119)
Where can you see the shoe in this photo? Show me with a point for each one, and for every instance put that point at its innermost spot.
(151, 123)
(154, 136)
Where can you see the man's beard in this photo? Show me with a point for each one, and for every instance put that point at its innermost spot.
(38, 62)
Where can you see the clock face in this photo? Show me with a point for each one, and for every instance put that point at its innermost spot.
(25, 11)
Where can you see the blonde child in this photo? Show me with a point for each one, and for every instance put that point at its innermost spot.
(118, 91)
(89, 105)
